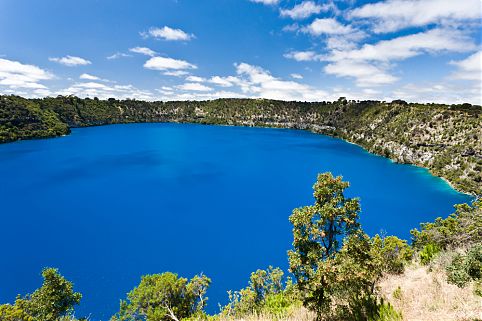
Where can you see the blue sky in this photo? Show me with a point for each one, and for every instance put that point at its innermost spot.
(417, 50)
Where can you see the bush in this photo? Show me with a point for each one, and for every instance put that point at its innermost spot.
(428, 253)
(391, 253)
(466, 268)
(54, 300)
(462, 228)
(265, 294)
(165, 297)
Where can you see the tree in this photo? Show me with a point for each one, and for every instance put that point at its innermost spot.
(317, 232)
(164, 297)
(53, 300)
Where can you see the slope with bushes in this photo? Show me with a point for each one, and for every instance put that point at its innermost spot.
(446, 139)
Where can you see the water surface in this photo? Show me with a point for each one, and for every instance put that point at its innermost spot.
(108, 204)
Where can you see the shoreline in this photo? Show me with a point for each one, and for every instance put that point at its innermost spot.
(307, 128)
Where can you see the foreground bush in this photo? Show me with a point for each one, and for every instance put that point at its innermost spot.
(52, 301)
(163, 297)
(265, 294)
(462, 228)
(466, 268)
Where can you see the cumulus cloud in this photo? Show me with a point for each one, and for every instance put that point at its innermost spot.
(258, 82)
(365, 74)
(176, 73)
(166, 63)
(304, 10)
(14, 74)
(296, 76)
(195, 79)
(369, 64)
(440, 92)
(88, 77)
(71, 61)
(469, 68)
(393, 15)
(224, 81)
(266, 2)
(435, 40)
(143, 51)
(118, 55)
(303, 55)
(329, 26)
(194, 86)
(103, 91)
(168, 33)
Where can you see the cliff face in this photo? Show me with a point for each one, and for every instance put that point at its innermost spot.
(445, 139)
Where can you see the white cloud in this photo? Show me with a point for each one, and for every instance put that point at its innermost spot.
(102, 91)
(71, 61)
(303, 55)
(176, 73)
(258, 82)
(88, 77)
(303, 10)
(118, 55)
(364, 73)
(195, 79)
(194, 86)
(168, 33)
(469, 68)
(369, 64)
(143, 51)
(166, 63)
(435, 40)
(393, 15)
(266, 2)
(296, 76)
(224, 81)
(14, 74)
(328, 26)
(440, 92)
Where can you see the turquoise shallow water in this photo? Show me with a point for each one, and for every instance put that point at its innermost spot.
(108, 204)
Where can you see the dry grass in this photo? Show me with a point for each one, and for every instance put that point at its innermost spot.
(425, 295)
(297, 314)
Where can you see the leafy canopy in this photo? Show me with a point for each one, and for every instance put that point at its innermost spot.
(162, 297)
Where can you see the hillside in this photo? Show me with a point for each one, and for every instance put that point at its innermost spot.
(445, 139)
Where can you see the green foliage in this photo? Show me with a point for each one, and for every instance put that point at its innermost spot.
(165, 297)
(328, 271)
(265, 294)
(466, 268)
(391, 253)
(53, 300)
(462, 228)
(386, 312)
(398, 294)
(13, 313)
(428, 253)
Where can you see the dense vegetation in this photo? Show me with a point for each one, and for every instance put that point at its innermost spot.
(335, 265)
(445, 139)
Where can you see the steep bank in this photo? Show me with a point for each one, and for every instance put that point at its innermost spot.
(445, 139)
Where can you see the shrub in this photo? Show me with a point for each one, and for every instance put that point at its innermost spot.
(391, 253)
(164, 297)
(466, 268)
(462, 228)
(54, 300)
(428, 252)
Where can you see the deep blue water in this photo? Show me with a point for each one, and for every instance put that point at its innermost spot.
(108, 204)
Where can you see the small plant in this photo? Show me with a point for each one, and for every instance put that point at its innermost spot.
(398, 294)
(428, 252)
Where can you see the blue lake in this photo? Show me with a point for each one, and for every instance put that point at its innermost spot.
(108, 204)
